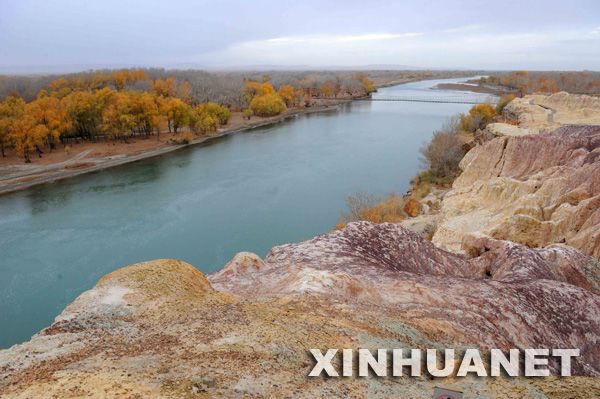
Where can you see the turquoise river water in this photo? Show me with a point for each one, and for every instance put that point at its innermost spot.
(244, 192)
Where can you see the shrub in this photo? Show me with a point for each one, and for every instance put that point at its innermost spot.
(367, 207)
(182, 138)
(247, 113)
(503, 102)
(478, 117)
(445, 150)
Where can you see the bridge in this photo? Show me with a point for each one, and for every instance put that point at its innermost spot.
(441, 99)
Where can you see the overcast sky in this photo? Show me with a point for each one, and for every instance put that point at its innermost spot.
(502, 34)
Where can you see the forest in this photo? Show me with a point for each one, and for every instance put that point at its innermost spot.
(39, 112)
(117, 105)
(528, 82)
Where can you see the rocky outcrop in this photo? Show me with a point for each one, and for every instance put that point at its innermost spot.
(543, 113)
(534, 190)
(505, 129)
(163, 329)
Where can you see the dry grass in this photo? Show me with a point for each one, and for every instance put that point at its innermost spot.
(369, 208)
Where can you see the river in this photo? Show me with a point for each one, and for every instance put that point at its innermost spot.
(244, 192)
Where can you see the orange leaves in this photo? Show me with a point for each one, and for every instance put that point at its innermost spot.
(288, 95)
(11, 109)
(50, 113)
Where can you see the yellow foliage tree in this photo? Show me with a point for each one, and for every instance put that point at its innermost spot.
(326, 89)
(288, 95)
(52, 115)
(479, 116)
(176, 112)
(11, 109)
(117, 119)
(27, 134)
(267, 105)
(208, 117)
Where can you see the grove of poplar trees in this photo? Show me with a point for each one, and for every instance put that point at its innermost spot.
(122, 104)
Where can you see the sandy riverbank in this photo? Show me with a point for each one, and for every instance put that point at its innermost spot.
(475, 88)
(91, 157)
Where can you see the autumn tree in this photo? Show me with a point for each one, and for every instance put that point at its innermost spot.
(85, 111)
(11, 109)
(176, 112)
(126, 77)
(367, 84)
(326, 89)
(27, 134)
(208, 117)
(145, 112)
(117, 119)
(51, 115)
(165, 88)
(288, 95)
(267, 105)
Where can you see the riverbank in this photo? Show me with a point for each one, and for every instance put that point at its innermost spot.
(475, 88)
(93, 157)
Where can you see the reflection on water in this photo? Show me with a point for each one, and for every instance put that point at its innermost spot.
(249, 191)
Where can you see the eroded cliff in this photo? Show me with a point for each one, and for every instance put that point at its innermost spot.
(535, 190)
(162, 329)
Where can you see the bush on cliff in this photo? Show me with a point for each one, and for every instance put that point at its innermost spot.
(366, 207)
(445, 150)
(478, 117)
(503, 102)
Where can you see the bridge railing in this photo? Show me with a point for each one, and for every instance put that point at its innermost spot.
(439, 99)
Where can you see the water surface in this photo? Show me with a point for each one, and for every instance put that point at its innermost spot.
(202, 204)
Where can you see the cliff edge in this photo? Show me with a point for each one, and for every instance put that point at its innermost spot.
(163, 329)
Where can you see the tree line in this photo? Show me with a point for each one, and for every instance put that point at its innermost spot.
(120, 104)
(106, 106)
(528, 82)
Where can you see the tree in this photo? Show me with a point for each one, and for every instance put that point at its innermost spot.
(208, 117)
(165, 88)
(27, 134)
(117, 119)
(267, 105)
(176, 112)
(326, 89)
(11, 109)
(288, 95)
(368, 85)
(144, 109)
(85, 111)
(51, 114)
